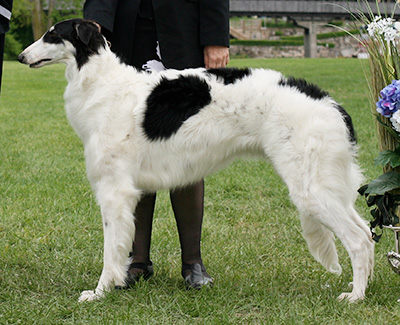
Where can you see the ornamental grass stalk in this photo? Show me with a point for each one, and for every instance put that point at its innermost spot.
(380, 36)
(384, 63)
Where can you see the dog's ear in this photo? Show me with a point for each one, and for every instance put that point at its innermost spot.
(84, 32)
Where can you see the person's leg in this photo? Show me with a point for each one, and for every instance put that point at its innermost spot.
(141, 264)
(2, 38)
(143, 49)
(188, 204)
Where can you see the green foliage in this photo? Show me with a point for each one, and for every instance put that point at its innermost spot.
(337, 34)
(21, 34)
(267, 42)
(378, 195)
(383, 54)
(288, 42)
(336, 23)
(385, 123)
(384, 183)
(279, 24)
(21, 27)
(22, 13)
(292, 40)
(388, 157)
(12, 47)
(384, 65)
(268, 22)
(51, 231)
(71, 9)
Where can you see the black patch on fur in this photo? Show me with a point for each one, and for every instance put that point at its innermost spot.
(349, 123)
(315, 92)
(229, 75)
(83, 34)
(171, 103)
(305, 87)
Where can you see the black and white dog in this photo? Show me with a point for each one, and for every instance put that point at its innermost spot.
(149, 131)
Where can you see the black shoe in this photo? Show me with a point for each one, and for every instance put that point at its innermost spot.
(196, 276)
(132, 278)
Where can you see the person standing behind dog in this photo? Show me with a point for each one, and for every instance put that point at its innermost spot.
(153, 35)
(5, 16)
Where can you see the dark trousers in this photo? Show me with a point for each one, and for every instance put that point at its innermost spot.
(187, 202)
(2, 38)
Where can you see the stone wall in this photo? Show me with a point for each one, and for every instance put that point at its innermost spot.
(344, 47)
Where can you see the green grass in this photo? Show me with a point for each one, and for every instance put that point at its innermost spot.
(51, 234)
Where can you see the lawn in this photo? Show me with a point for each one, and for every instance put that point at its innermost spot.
(51, 231)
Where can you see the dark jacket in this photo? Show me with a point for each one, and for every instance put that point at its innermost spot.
(184, 27)
(4, 22)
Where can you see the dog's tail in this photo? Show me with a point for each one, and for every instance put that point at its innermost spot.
(330, 211)
(321, 243)
(349, 123)
(323, 178)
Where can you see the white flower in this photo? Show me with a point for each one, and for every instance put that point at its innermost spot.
(391, 34)
(395, 119)
(386, 27)
(372, 26)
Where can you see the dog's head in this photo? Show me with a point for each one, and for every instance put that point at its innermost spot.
(74, 39)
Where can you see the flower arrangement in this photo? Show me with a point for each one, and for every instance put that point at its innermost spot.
(382, 47)
(387, 28)
(380, 36)
(389, 104)
(383, 191)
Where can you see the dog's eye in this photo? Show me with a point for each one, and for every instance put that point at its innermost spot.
(53, 33)
(52, 37)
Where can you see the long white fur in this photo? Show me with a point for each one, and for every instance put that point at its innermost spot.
(305, 139)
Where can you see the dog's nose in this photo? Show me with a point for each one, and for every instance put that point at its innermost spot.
(21, 58)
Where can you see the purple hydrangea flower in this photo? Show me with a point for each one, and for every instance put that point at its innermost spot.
(389, 100)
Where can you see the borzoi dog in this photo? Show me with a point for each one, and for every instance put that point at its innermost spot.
(149, 131)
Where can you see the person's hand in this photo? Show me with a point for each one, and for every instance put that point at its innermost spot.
(216, 56)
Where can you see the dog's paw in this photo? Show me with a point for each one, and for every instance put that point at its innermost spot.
(90, 295)
(351, 296)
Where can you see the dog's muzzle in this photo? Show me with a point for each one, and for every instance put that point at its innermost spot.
(22, 58)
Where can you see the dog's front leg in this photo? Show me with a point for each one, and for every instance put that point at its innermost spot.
(119, 231)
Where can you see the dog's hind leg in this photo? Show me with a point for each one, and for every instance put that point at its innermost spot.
(348, 227)
(119, 230)
(319, 170)
(324, 197)
(360, 247)
(367, 231)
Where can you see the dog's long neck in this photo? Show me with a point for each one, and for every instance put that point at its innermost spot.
(98, 65)
(93, 89)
